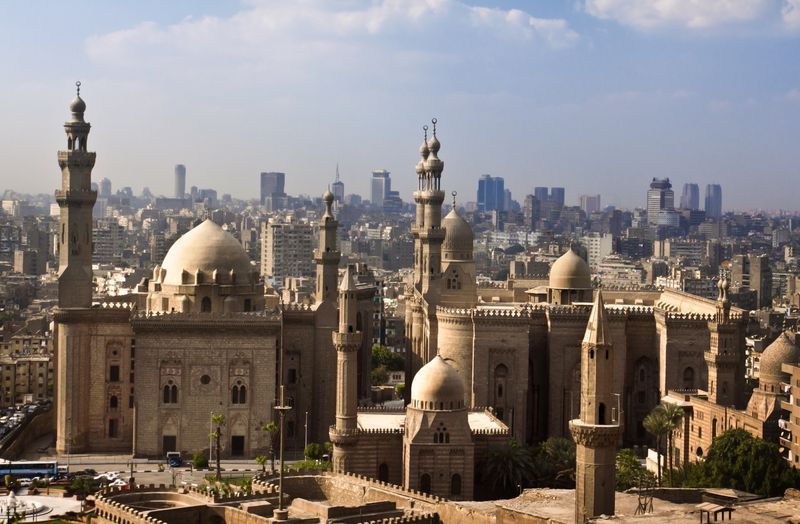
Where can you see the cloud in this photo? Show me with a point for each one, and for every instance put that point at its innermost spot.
(688, 14)
(791, 14)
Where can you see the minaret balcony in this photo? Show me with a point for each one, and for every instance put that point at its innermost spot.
(76, 159)
(346, 341)
(76, 196)
(326, 257)
(342, 436)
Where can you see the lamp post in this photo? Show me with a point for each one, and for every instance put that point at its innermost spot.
(305, 445)
(281, 408)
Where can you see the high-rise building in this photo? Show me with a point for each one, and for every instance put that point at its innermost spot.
(557, 195)
(272, 188)
(590, 203)
(287, 250)
(541, 194)
(180, 181)
(660, 198)
(713, 201)
(105, 188)
(337, 188)
(491, 193)
(381, 186)
(690, 197)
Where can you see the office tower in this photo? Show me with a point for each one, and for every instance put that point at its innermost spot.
(541, 194)
(180, 181)
(660, 197)
(272, 187)
(337, 188)
(753, 272)
(491, 193)
(105, 188)
(690, 197)
(713, 201)
(557, 195)
(287, 250)
(381, 186)
(590, 203)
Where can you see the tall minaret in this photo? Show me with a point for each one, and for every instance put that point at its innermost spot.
(722, 357)
(431, 233)
(597, 431)
(327, 256)
(76, 199)
(419, 222)
(346, 341)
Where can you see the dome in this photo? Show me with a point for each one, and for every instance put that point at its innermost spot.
(327, 197)
(570, 271)
(437, 386)
(204, 249)
(782, 350)
(458, 235)
(77, 105)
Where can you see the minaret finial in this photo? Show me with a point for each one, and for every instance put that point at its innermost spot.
(454, 193)
(425, 130)
(433, 121)
(78, 86)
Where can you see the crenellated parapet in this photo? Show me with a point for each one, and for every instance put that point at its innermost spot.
(594, 436)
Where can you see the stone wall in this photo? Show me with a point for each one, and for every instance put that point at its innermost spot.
(40, 425)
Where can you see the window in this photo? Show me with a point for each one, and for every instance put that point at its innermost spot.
(238, 393)
(205, 380)
(170, 393)
(205, 305)
(455, 484)
(113, 374)
(292, 376)
(248, 304)
(113, 403)
(113, 430)
(688, 378)
(425, 483)
(383, 472)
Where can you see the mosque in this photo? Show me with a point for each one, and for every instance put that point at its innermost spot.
(486, 366)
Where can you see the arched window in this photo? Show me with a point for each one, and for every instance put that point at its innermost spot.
(601, 413)
(455, 484)
(714, 429)
(113, 402)
(242, 394)
(239, 393)
(425, 483)
(688, 378)
(174, 394)
(383, 472)
(170, 393)
(205, 305)
(166, 395)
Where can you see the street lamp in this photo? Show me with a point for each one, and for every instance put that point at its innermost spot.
(305, 445)
(281, 408)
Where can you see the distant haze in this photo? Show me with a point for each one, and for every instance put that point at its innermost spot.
(598, 96)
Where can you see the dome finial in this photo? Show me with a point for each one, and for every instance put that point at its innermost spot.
(433, 121)
(425, 131)
(78, 86)
(454, 193)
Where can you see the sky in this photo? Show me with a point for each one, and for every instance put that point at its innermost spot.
(598, 96)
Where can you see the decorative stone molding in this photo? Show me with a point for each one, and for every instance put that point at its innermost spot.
(592, 435)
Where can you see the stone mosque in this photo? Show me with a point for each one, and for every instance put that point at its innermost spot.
(198, 340)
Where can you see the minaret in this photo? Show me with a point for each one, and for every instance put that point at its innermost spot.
(597, 431)
(327, 256)
(722, 357)
(346, 341)
(431, 233)
(76, 200)
(419, 222)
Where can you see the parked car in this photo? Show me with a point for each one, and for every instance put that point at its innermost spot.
(24, 482)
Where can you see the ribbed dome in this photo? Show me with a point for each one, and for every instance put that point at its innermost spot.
(782, 350)
(206, 248)
(437, 386)
(458, 235)
(570, 271)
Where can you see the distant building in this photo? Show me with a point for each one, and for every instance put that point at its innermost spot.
(337, 188)
(105, 188)
(713, 201)
(661, 203)
(287, 250)
(557, 195)
(597, 248)
(491, 193)
(690, 197)
(753, 272)
(180, 181)
(273, 189)
(590, 203)
(381, 186)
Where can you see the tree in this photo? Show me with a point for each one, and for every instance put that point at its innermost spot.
(629, 470)
(217, 420)
(379, 376)
(657, 425)
(261, 460)
(559, 461)
(384, 357)
(509, 467)
(271, 429)
(673, 415)
(738, 460)
(312, 451)
(400, 390)
(199, 461)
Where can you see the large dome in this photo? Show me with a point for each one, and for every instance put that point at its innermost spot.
(458, 236)
(206, 248)
(437, 386)
(570, 271)
(782, 350)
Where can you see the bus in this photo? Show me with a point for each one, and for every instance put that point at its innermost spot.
(29, 469)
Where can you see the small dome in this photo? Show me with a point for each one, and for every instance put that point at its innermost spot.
(77, 105)
(434, 145)
(436, 385)
(458, 235)
(203, 249)
(570, 271)
(327, 197)
(423, 150)
(782, 350)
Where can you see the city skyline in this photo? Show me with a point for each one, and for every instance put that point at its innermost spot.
(596, 97)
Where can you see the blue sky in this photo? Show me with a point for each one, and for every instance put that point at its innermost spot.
(594, 95)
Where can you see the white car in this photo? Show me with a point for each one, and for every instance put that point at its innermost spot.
(119, 483)
(24, 483)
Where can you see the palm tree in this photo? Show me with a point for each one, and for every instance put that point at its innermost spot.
(261, 460)
(673, 414)
(217, 420)
(271, 429)
(509, 466)
(657, 425)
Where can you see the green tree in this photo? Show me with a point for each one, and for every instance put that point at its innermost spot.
(400, 390)
(217, 420)
(271, 429)
(383, 356)
(199, 460)
(673, 415)
(312, 451)
(738, 460)
(262, 460)
(629, 470)
(509, 467)
(379, 376)
(656, 424)
(559, 456)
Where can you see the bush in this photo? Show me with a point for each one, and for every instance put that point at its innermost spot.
(630, 471)
(313, 451)
(199, 461)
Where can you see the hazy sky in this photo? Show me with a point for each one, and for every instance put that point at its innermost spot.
(594, 95)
